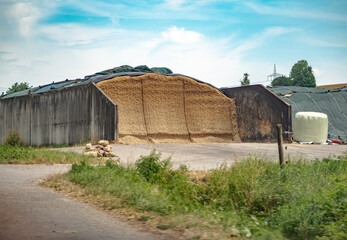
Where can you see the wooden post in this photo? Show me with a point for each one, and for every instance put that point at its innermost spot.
(280, 144)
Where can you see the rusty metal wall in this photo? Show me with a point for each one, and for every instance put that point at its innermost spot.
(258, 113)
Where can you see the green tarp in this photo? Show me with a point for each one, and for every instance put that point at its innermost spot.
(332, 102)
(127, 68)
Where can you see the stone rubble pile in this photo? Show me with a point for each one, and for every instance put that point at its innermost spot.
(102, 149)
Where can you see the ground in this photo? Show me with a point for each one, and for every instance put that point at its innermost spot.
(212, 155)
(30, 212)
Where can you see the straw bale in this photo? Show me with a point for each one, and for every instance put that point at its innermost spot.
(170, 109)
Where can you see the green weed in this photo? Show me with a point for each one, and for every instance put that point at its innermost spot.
(13, 138)
(33, 155)
(254, 198)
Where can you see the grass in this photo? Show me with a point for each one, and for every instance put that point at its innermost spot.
(251, 199)
(34, 155)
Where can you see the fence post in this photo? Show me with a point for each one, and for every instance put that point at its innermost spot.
(280, 144)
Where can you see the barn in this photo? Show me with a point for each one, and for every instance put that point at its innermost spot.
(142, 105)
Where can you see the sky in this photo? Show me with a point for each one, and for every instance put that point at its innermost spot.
(214, 41)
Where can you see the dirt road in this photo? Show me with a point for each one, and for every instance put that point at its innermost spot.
(28, 211)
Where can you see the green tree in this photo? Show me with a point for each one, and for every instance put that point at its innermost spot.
(245, 81)
(282, 81)
(18, 87)
(302, 75)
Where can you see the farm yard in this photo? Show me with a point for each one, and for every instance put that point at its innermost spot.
(178, 159)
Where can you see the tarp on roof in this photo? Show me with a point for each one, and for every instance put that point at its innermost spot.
(100, 78)
(127, 69)
(332, 102)
(124, 70)
(54, 86)
(20, 93)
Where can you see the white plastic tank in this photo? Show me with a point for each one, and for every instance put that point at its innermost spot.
(310, 127)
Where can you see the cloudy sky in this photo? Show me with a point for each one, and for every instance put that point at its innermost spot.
(214, 41)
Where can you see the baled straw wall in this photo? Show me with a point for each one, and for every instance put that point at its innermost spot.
(166, 109)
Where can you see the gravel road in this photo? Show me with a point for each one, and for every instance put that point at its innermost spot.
(28, 211)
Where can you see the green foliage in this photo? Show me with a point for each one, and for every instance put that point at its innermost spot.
(245, 81)
(152, 168)
(18, 87)
(301, 74)
(253, 198)
(31, 155)
(282, 81)
(13, 138)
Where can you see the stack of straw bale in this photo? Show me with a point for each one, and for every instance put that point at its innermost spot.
(169, 109)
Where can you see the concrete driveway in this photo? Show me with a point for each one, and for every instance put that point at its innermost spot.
(210, 156)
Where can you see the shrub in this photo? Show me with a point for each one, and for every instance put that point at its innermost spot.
(13, 138)
(152, 168)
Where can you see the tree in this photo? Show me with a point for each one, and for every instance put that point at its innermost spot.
(18, 87)
(245, 81)
(282, 81)
(302, 75)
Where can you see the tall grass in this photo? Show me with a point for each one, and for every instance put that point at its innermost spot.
(252, 198)
(33, 155)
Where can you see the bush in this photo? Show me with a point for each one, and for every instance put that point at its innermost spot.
(13, 138)
(152, 168)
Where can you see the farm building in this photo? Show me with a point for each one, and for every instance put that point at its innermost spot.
(142, 105)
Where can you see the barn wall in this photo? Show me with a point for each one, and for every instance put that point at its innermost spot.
(66, 116)
(258, 113)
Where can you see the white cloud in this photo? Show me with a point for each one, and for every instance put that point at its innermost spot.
(180, 35)
(260, 38)
(26, 15)
(174, 4)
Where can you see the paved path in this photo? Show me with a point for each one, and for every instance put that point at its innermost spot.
(209, 156)
(28, 211)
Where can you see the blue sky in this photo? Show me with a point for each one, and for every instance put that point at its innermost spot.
(214, 41)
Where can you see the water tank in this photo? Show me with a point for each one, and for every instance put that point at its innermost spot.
(310, 127)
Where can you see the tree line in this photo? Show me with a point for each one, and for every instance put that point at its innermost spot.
(301, 75)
